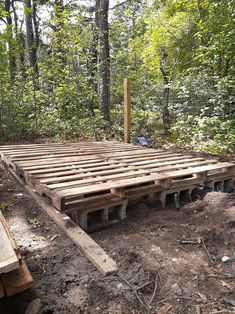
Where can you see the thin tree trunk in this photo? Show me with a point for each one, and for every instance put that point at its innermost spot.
(21, 40)
(35, 24)
(103, 6)
(93, 61)
(11, 52)
(166, 91)
(31, 45)
(59, 25)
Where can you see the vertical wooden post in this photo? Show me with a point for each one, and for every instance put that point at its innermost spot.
(127, 111)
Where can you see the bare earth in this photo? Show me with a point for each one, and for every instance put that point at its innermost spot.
(160, 272)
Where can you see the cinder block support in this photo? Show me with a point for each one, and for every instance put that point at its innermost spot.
(161, 196)
(102, 218)
(219, 186)
(210, 185)
(228, 185)
(187, 193)
(82, 220)
(152, 197)
(215, 185)
(105, 216)
(122, 211)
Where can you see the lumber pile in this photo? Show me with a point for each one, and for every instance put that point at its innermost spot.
(14, 274)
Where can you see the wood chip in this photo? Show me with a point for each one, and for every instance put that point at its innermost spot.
(164, 309)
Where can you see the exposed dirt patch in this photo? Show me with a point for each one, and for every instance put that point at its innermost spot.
(150, 247)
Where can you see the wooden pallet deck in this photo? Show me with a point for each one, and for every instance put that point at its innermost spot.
(82, 179)
(77, 175)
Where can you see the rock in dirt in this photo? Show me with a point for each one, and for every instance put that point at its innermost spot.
(176, 289)
(34, 306)
(225, 259)
(120, 286)
(77, 295)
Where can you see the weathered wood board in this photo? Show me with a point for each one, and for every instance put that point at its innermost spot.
(8, 258)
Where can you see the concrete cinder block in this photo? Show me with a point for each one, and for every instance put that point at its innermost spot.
(161, 196)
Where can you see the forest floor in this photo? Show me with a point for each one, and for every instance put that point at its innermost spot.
(168, 275)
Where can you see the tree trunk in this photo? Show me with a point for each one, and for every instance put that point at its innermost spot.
(31, 45)
(103, 6)
(35, 24)
(21, 40)
(93, 61)
(59, 25)
(11, 52)
(166, 91)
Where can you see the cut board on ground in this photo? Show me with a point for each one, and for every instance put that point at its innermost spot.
(8, 258)
(14, 274)
(10, 236)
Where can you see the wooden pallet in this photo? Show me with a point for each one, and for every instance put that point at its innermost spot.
(76, 175)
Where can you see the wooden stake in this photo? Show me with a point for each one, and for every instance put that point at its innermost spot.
(127, 111)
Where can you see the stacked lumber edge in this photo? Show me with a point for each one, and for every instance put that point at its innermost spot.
(14, 274)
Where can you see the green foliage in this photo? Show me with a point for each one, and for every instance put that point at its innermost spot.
(63, 100)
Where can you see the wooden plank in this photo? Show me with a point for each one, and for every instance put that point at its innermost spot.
(50, 168)
(139, 160)
(161, 164)
(74, 170)
(143, 152)
(85, 243)
(83, 169)
(67, 153)
(198, 170)
(88, 174)
(177, 166)
(114, 177)
(127, 110)
(110, 185)
(99, 199)
(137, 192)
(10, 236)
(8, 258)
(1, 289)
(54, 150)
(17, 280)
(47, 163)
(139, 152)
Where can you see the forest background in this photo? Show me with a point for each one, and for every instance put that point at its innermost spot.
(63, 62)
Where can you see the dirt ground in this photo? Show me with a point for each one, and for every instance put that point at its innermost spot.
(170, 261)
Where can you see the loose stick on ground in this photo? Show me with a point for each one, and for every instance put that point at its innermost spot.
(144, 285)
(134, 290)
(207, 252)
(154, 291)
